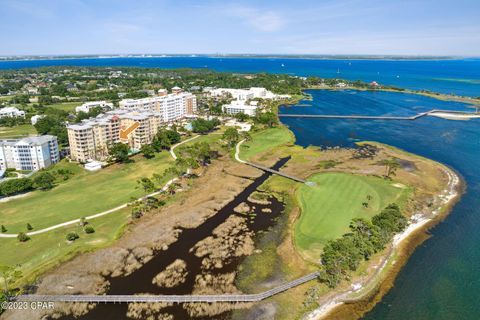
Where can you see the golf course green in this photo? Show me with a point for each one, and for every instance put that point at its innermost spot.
(330, 205)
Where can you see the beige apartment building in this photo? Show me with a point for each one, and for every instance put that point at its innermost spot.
(135, 123)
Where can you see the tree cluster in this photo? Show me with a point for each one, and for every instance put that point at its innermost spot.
(204, 126)
(195, 155)
(43, 180)
(344, 255)
(92, 113)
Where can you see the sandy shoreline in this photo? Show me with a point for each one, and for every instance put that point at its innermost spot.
(417, 223)
(453, 116)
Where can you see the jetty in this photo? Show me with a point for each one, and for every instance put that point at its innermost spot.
(256, 297)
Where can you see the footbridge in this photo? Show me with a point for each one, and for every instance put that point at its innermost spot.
(410, 118)
(263, 168)
(169, 298)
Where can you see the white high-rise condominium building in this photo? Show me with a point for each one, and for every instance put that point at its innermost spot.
(32, 153)
(172, 106)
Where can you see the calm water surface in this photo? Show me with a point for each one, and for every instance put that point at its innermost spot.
(447, 76)
(441, 279)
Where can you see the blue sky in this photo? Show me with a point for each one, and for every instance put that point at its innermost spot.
(420, 27)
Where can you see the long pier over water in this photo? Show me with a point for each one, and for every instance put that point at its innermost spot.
(336, 116)
(169, 298)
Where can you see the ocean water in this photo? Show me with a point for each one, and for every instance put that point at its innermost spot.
(460, 77)
(441, 279)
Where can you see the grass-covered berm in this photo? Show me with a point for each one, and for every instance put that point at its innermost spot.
(348, 183)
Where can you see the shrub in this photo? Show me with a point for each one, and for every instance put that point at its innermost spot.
(72, 236)
(89, 229)
(22, 237)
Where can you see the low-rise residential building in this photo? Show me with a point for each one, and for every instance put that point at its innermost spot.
(32, 153)
(87, 106)
(239, 106)
(11, 112)
(246, 94)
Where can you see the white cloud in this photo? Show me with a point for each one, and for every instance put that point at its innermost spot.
(265, 21)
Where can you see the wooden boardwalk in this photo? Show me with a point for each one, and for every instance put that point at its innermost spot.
(260, 167)
(169, 298)
(288, 176)
(410, 118)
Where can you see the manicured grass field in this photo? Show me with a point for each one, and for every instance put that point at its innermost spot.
(17, 131)
(65, 106)
(47, 249)
(265, 140)
(86, 193)
(328, 207)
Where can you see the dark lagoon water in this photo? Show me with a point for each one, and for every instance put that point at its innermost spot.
(140, 281)
(441, 279)
(447, 76)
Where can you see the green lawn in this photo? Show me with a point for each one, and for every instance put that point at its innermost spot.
(86, 193)
(328, 207)
(265, 140)
(65, 106)
(46, 250)
(213, 139)
(17, 131)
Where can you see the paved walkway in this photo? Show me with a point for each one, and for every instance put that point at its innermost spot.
(104, 213)
(174, 156)
(171, 298)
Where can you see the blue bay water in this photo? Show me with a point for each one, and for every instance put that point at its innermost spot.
(460, 77)
(441, 279)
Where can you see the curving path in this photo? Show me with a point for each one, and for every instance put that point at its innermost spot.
(171, 298)
(101, 214)
(174, 156)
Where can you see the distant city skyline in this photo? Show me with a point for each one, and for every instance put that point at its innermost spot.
(368, 27)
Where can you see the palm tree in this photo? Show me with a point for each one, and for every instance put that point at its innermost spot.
(391, 166)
